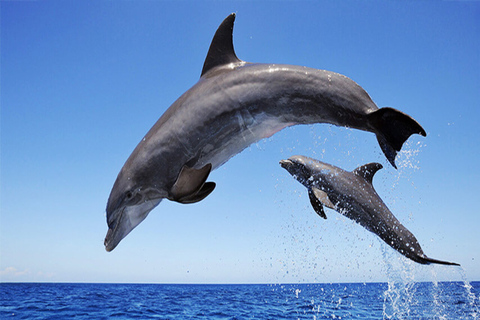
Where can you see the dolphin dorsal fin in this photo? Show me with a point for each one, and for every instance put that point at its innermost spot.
(221, 49)
(367, 171)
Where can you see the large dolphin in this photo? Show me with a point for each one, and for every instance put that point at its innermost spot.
(234, 104)
(352, 194)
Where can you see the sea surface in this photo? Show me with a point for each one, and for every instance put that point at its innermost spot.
(421, 300)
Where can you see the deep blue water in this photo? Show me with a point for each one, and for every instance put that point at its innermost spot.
(445, 300)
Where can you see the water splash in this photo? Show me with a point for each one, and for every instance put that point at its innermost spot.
(407, 158)
(400, 294)
(406, 298)
(438, 305)
(472, 300)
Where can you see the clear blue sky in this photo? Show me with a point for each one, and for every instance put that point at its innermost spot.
(83, 81)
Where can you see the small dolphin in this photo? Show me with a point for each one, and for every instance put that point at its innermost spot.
(233, 105)
(352, 194)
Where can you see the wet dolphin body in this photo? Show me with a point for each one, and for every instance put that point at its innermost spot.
(352, 194)
(234, 104)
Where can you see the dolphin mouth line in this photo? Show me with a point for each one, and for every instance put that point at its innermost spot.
(285, 163)
(113, 231)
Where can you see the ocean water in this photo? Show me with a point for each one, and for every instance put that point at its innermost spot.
(422, 300)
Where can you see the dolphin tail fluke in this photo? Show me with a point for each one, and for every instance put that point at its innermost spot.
(427, 260)
(393, 128)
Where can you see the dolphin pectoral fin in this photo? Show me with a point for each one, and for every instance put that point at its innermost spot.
(322, 196)
(367, 171)
(393, 128)
(318, 199)
(206, 189)
(190, 186)
(316, 204)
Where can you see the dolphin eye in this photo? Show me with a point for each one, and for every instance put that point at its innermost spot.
(129, 195)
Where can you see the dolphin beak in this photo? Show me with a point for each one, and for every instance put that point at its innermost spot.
(114, 236)
(286, 163)
(123, 220)
(109, 245)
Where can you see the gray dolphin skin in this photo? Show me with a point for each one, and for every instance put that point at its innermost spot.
(352, 194)
(234, 104)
